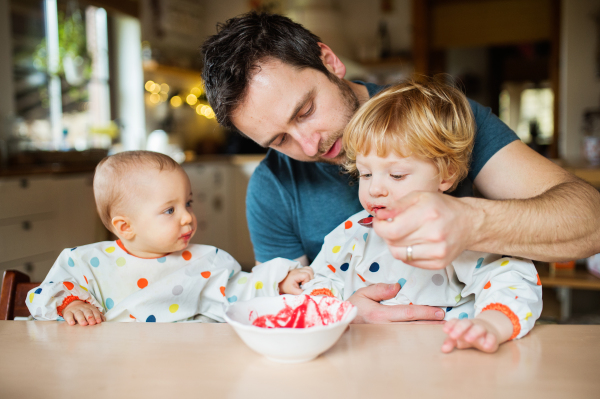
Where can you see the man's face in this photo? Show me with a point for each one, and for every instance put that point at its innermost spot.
(300, 113)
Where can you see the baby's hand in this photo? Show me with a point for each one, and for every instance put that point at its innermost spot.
(291, 284)
(82, 313)
(475, 333)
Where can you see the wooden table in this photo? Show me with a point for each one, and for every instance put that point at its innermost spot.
(135, 360)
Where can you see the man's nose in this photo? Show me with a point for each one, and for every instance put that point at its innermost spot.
(309, 142)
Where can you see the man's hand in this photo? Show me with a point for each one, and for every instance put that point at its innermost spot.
(437, 227)
(371, 311)
(291, 284)
(82, 313)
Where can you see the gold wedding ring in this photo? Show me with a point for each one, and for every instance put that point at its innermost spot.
(409, 252)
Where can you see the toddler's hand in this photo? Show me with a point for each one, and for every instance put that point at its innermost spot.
(82, 313)
(475, 333)
(291, 284)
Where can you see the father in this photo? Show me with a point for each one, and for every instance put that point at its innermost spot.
(276, 83)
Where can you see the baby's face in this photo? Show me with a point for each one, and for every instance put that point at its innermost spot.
(385, 180)
(161, 213)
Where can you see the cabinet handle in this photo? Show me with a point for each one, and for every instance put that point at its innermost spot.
(28, 267)
(217, 203)
(24, 183)
(26, 225)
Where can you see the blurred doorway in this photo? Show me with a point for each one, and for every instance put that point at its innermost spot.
(503, 53)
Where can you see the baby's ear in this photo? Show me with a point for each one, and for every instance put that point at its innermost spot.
(122, 227)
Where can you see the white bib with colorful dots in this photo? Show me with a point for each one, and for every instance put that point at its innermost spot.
(200, 280)
(354, 256)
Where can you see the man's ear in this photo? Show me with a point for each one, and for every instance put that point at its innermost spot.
(332, 62)
(123, 227)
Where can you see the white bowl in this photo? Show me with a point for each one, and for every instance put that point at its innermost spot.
(284, 345)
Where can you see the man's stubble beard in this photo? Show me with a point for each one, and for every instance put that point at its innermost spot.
(351, 105)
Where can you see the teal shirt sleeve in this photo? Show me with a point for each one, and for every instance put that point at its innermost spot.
(492, 135)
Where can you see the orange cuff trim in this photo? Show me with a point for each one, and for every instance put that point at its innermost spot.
(322, 291)
(510, 314)
(66, 302)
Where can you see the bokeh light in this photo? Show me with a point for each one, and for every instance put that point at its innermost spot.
(191, 99)
(176, 101)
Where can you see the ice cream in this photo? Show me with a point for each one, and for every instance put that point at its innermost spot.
(304, 311)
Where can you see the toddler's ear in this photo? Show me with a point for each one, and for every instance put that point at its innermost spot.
(123, 227)
(446, 183)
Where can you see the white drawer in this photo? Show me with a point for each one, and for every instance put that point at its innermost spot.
(26, 238)
(26, 196)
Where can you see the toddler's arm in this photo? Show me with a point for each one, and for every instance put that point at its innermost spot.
(508, 301)
(291, 284)
(227, 283)
(66, 283)
(326, 281)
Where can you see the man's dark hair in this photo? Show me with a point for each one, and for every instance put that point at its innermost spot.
(232, 56)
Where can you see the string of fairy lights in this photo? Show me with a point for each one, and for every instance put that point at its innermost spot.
(159, 93)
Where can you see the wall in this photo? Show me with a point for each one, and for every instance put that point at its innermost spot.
(358, 20)
(361, 22)
(579, 84)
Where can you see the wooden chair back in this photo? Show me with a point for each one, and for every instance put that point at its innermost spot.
(15, 286)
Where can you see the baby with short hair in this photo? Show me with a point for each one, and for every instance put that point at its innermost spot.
(418, 136)
(151, 273)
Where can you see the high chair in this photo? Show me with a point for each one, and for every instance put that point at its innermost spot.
(15, 286)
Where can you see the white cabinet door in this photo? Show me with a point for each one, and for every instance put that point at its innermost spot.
(78, 222)
(213, 206)
(219, 190)
(26, 238)
(25, 196)
(45, 214)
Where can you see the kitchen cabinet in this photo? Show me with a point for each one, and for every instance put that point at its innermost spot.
(42, 215)
(219, 190)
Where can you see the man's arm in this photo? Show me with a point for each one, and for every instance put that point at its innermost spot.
(546, 214)
(536, 210)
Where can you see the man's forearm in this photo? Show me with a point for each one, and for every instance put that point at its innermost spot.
(560, 224)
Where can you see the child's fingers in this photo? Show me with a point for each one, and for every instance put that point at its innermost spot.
(489, 343)
(80, 317)
(97, 315)
(295, 289)
(68, 316)
(309, 270)
(460, 328)
(89, 315)
(449, 325)
(474, 333)
(448, 345)
(304, 277)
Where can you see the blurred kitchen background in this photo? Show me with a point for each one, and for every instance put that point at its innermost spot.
(83, 78)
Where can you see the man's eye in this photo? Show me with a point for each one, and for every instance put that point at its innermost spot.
(170, 211)
(283, 140)
(397, 177)
(307, 113)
